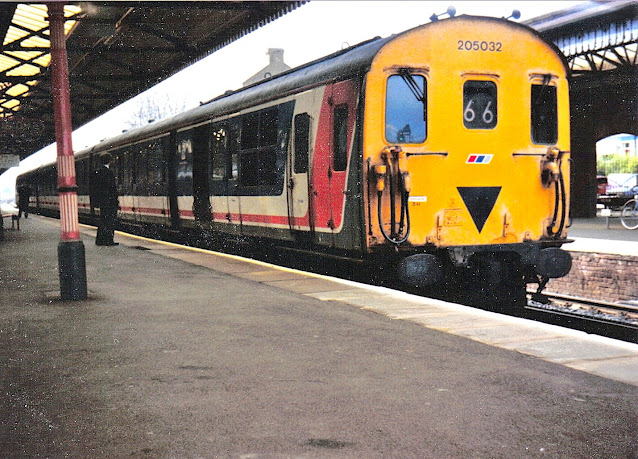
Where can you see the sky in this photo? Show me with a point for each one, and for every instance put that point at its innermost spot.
(313, 30)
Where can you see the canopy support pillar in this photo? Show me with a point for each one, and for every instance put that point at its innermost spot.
(71, 259)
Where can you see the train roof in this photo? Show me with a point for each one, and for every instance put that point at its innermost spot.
(343, 64)
(337, 66)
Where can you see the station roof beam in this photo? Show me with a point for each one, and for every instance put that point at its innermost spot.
(116, 50)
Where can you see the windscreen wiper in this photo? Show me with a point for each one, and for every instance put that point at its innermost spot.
(418, 92)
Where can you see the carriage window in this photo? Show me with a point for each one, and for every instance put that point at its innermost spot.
(129, 172)
(218, 153)
(479, 105)
(156, 170)
(249, 131)
(141, 172)
(232, 144)
(80, 174)
(268, 127)
(249, 173)
(406, 108)
(544, 114)
(116, 167)
(302, 142)
(148, 151)
(120, 168)
(258, 156)
(184, 164)
(340, 138)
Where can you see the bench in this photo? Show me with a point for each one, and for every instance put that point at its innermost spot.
(15, 221)
(607, 213)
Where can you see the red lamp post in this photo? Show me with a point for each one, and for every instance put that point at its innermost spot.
(71, 259)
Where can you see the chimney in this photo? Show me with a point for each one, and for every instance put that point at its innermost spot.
(276, 65)
(276, 56)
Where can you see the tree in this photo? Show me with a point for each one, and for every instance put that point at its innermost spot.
(617, 163)
(152, 108)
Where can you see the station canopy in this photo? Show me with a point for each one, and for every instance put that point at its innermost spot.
(595, 37)
(116, 50)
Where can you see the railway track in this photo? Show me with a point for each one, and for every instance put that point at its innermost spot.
(618, 321)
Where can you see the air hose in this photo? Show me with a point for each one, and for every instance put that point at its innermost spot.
(560, 194)
(400, 235)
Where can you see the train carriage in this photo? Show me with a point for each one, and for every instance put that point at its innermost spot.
(443, 150)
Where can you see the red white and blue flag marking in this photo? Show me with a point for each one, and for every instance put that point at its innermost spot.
(479, 159)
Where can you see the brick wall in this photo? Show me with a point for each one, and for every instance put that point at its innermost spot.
(599, 276)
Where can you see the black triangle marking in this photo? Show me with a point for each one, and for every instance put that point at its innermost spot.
(479, 201)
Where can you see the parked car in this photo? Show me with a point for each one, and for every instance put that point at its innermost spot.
(620, 187)
(601, 181)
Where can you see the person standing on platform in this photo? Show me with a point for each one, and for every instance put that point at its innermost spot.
(24, 193)
(104, 196)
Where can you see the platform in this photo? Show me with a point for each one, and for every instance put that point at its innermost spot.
(599, 236)
(181, 352)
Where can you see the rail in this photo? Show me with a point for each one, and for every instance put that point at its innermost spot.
(618, 321)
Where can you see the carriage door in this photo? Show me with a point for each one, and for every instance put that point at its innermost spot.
(172, 160)
(300, 202)
(332, 154)
(201, 173)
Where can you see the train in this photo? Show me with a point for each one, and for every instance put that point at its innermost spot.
(441, 153)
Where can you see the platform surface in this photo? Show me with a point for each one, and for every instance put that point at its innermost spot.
(187, 353)
(599, 236)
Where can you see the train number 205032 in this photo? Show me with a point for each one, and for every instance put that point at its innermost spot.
(467, 45)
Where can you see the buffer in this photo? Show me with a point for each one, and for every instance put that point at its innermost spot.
(479, 201)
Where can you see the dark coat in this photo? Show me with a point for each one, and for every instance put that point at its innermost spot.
(103, 188)
(24, 193)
